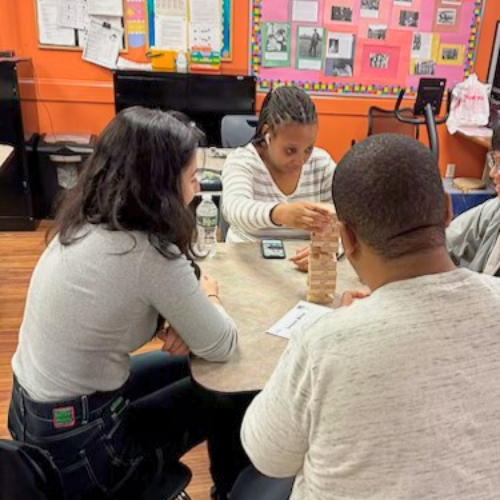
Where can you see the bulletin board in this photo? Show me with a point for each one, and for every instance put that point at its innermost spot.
(63, 24)
(226, 27)
(362, 47)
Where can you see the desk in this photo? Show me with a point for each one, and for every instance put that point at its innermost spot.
(5, 154)
(485, 142)
(461, 202)
(256, 292)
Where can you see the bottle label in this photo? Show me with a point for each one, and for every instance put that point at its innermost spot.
(207, 222)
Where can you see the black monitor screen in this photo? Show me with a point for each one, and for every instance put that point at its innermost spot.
(206, 99)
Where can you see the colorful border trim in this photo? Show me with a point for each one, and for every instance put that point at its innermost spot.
(339, 88)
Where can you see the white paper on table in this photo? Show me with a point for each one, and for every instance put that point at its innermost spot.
(422, 50)
(171, 7)
(72, 13)
(170, 32)
(50, 33)
(114, 21)
(103, 44)
(305, 11)
(205, 11)
(205, 35)
(298, 318)
(105, 8)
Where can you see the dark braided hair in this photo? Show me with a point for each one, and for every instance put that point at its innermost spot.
(286, 104)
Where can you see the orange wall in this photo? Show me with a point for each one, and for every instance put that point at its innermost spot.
(75, 96)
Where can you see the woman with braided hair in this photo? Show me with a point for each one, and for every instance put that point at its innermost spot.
(272, 186)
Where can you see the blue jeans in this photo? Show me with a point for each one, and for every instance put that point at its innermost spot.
(111, 444)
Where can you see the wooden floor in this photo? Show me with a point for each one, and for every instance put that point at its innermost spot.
(19, 253)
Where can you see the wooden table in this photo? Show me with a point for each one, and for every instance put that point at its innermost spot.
(5, 154)
(256, 292)
(485, 142)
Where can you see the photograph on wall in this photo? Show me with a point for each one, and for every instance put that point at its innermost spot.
(341, 14)
(305, 11)
(340, 50)
(310, 47)
(379, 60)
(340, 46)
(446, 17)
(451, 55)
(276, 42)
(422, 44)
(339, 67)
(423, 68)
(408, 19)
(377, 31)
(370, 8)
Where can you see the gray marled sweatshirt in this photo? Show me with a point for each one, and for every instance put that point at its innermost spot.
(394, 398)
(94, 302)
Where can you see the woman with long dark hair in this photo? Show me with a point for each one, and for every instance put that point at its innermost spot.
(120, 257)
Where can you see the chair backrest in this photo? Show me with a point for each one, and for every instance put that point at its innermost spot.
(27, 473)
(238, 130)
(384, 121)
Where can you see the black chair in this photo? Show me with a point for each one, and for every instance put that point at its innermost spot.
(385, 121)
(28, 473)
(251, 485)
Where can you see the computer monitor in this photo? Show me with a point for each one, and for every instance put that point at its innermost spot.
(206, 99)
(430, 91)
(494, 69)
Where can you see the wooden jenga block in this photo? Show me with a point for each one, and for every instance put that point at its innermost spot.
(322, 276)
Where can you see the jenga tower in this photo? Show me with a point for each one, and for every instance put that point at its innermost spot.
(323, 264)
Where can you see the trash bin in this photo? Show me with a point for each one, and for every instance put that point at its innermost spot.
(59, 161)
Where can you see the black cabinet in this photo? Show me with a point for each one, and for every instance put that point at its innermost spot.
(18, 128)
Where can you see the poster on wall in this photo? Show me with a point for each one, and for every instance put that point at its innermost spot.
(276, 40)
(373, 47)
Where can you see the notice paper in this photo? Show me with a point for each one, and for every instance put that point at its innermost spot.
(72, 13)
(50, 33)
(171, 32)
(112, 20)
(305, 11)
(421, 47)
(103, 44)
(105, 8)
(301, 316)
(205, 35)
(205, 11)
(171, 7)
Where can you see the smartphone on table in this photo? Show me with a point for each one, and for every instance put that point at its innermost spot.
(273, 249)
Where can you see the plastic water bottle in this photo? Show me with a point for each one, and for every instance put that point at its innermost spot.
(206, 223)
(181, 63)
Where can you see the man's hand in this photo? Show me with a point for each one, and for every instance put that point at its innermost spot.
(349, 297)
(173, 344)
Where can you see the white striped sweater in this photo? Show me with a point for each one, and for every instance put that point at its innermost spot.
(250, 193)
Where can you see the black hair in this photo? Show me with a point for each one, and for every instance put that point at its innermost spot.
(388, 190)
(287, 104)
(495, 139)
(133, 182)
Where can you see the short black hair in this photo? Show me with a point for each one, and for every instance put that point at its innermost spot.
(495, 139)
(286, 104)
(388, 190)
